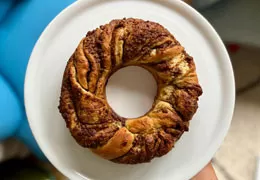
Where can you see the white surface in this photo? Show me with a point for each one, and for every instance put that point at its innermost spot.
(135, 91)
(243, 139)
(57, 43)
(257, 170)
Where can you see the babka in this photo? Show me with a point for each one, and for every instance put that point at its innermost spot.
(103, 51)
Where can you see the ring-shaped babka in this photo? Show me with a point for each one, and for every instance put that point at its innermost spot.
(103, 51)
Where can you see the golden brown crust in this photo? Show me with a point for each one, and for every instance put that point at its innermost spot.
(117, 146)
(83, 103)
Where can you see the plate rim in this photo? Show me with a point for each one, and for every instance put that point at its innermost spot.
(228, 69)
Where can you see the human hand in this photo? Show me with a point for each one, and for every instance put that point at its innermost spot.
(207, 173)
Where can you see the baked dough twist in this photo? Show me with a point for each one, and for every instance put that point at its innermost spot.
(83, 104)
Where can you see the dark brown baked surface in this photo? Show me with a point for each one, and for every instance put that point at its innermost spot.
(83, 104)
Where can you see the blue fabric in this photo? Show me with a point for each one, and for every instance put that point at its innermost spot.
(11, 110)
(20, 26)
(5, 6)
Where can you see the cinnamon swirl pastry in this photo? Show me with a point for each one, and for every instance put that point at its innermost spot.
(83, 104)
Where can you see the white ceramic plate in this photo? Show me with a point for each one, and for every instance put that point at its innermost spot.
(208, 127)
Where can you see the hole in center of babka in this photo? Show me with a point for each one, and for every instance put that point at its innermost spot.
(131, 91)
